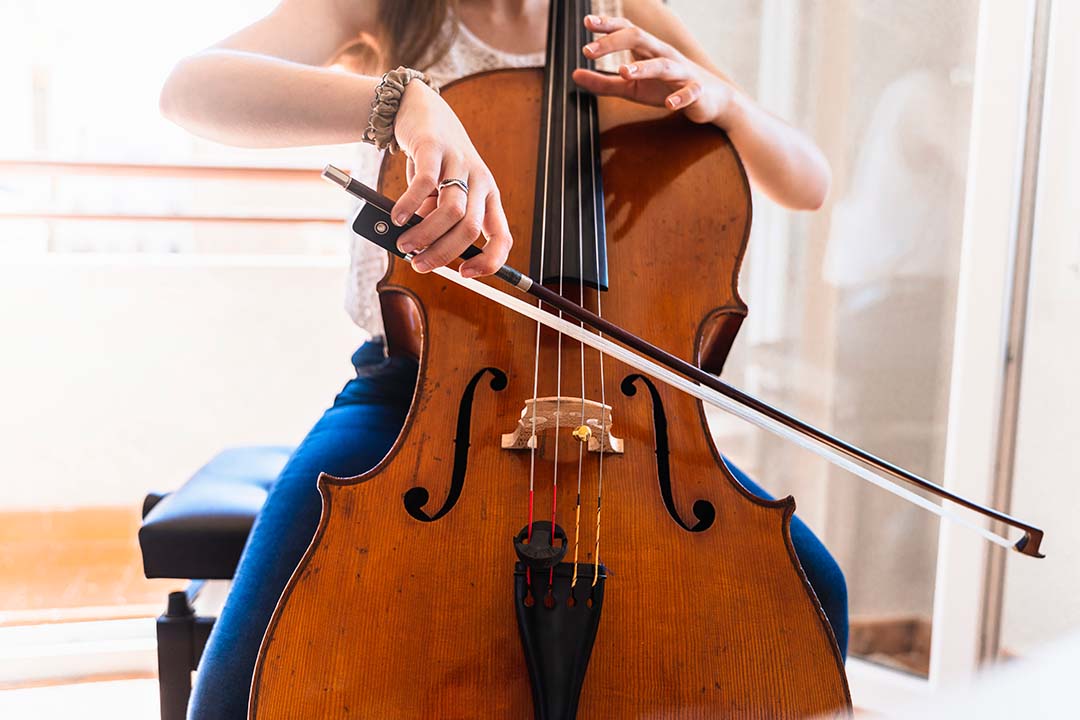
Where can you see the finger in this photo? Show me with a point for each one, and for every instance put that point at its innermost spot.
(603, 84)
(684, 96)
(499, 241)
(604, 24)
(428, 206)
(660, 68)
(453, 243)
(449, 210)
(427, 160)
(631, 38)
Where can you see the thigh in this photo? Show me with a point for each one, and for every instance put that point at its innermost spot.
(350, 438)
(821, 568)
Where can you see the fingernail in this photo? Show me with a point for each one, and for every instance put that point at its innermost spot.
(469, 272)
(401, 218)
(421, 265)
(591, 48)
(675, 101)
(631, 68)
(405, 247)
(592, 19)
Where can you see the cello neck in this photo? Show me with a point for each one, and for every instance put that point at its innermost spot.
(569, 242)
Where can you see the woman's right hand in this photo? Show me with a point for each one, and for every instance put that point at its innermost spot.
(438, 149)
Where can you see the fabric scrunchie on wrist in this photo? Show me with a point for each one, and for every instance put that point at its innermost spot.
(384, 108)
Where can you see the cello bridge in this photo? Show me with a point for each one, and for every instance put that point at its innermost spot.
(589, 421)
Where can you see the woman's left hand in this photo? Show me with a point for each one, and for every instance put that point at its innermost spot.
(660, 75)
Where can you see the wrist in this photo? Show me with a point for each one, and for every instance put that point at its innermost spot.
(390, 98)
(415, 94)
(731, 107)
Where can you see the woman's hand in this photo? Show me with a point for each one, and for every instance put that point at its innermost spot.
(660, 75)
(439, 149)
(783, 162)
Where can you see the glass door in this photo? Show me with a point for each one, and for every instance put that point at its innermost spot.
(861, 312)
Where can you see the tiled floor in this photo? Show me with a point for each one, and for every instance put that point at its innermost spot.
(113, 700)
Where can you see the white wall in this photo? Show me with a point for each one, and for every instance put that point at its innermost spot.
(122, 374)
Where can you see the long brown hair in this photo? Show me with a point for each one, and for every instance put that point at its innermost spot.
(411, 33)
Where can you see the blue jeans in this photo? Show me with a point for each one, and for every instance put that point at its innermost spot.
(351, 437)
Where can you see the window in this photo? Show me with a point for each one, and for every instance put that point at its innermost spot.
(87, 165)
(852, 308)
(156, 294)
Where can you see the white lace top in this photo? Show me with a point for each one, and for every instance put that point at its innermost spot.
(466, 56)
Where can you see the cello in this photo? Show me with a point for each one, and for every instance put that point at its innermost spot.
(464, 576)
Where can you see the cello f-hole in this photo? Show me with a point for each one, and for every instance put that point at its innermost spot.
(416, 498)
(703, 510)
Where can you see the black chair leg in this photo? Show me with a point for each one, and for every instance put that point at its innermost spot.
(181, 637)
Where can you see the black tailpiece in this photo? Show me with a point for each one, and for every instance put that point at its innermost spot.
(558, 627)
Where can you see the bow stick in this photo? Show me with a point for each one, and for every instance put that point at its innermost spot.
(662, 365)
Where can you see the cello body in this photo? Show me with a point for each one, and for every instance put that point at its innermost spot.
(404, 605)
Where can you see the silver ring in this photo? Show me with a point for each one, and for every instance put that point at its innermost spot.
(454, 181)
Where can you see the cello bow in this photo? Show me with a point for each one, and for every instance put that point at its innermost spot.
(372, 222)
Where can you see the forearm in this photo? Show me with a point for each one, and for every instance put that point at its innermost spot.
(782, 161)
(252, 100)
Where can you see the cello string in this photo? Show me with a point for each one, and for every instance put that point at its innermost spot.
(605, 435)
(533, 442)
(576, 17)
(711, 396)
(563, 92)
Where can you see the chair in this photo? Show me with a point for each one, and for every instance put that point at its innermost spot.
(197, 533)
